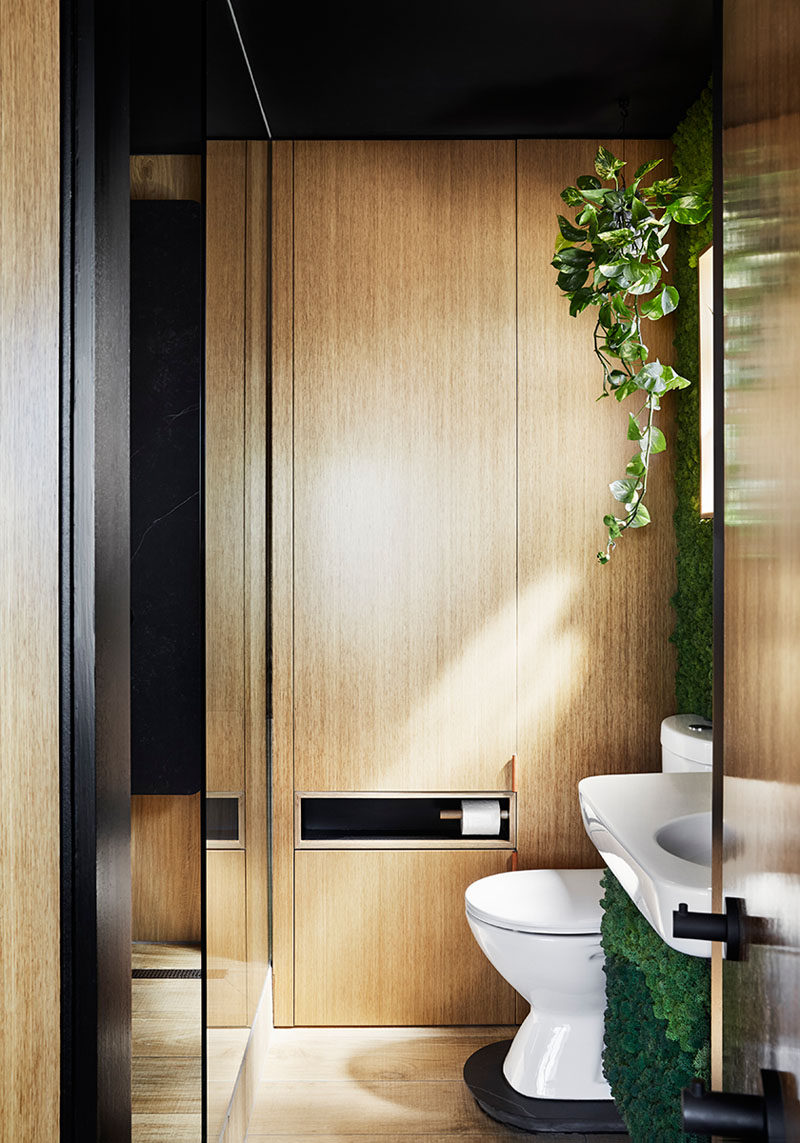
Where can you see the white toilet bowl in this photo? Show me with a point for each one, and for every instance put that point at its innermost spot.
(540, 928)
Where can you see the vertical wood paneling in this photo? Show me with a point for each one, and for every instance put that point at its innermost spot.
(760, 699)
(29, 571)
(596, 669)
(165, 867)
(172, 177)
(405, 464)
(226, 938)
(382, 939)
(255, 600)
(224, 501)
(281, 585)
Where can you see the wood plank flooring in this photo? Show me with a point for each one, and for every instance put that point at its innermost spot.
(395, 1085)
(167, 1036)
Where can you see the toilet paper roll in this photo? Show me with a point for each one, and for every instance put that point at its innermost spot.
(480, 816)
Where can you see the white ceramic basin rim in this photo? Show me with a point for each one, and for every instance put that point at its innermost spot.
(654, 833)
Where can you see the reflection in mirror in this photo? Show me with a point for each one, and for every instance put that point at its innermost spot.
(167, 701)
(705, 271)
(236, 441)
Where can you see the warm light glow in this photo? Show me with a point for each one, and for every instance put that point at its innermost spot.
(706, 282)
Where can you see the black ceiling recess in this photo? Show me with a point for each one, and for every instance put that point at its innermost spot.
(437, 69)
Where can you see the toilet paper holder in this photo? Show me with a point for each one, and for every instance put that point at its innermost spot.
(457, 815)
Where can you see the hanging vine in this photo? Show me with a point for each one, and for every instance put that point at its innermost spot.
(612, 258)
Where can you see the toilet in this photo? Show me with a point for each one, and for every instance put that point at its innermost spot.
(540, 928)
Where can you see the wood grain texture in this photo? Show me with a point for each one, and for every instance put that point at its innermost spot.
(761, 792)
(173, 177)
(224, 749)
(29, 571)
(226, 1049)
(596, 669)
(226, 938)
(225, 376)
(165, 867)
(166, 1046)
(255, 562)
(396, 1085)
(404, 460)
(398, 917)
(281, 584)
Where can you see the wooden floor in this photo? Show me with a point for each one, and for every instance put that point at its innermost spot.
(395, 1085)
(167, 1037)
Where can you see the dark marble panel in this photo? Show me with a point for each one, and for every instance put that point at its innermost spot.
(167, 707)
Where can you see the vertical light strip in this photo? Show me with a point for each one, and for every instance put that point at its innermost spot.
(705, 270)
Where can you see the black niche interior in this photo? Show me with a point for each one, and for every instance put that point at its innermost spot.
(167, 707)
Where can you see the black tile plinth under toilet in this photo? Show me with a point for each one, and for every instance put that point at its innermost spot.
(483, 1075)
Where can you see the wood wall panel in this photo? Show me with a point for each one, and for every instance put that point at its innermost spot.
(166, 177)
(281, 582)
(256, 444)
(29, 571)
(224, 501)
(760, 702)
(596, 669)
(382, 939)
(405, 465)
(165, 867)
(226, 938)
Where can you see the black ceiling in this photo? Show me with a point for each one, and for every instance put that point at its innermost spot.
(424, 68)
(437, 68)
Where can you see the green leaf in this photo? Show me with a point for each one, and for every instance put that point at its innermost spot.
(645, 169)
(616, 237)
(653, 439)
(606, 164)
(617, 377)
(666, 186)
(618, 302)
(623, 490)
(593, 196)
(635, 466)
(569, 280)
(572, 257)
(634, 431)
(570, 232)
(561, 244)
(632, 351)
(639, 212)
(645, 277)
(588, 182)
(571, 197)
(625, 389)
(606, 315)
(579, 301)
(603, 558)
(588, 213)
(613, 525)
(641, 518)
(660, 304)
(689, 209)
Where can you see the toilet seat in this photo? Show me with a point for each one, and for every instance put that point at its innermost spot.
(550, 901)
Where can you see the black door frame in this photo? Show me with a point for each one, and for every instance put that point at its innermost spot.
(94, 656)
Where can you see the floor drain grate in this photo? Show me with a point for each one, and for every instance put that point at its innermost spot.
(166, 974)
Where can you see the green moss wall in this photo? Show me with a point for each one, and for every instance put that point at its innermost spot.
(693, 599)
(657, 1021)
(658, 1000)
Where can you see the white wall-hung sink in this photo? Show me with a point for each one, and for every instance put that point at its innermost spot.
(654, 833)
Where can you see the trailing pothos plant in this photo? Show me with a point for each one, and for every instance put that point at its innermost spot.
(612, 258)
